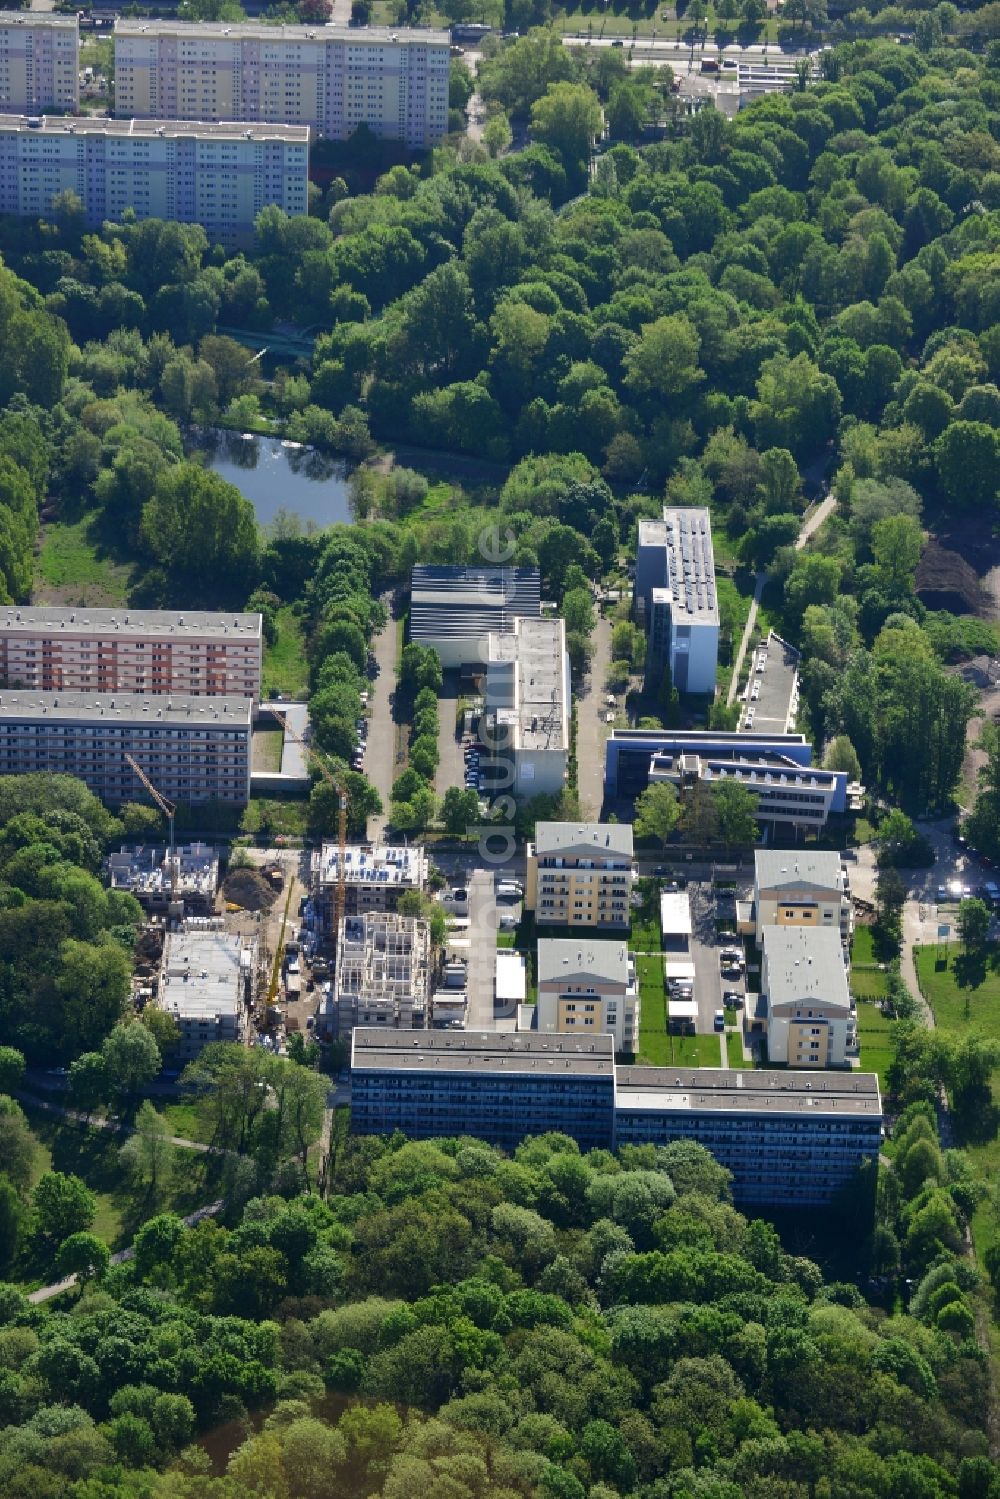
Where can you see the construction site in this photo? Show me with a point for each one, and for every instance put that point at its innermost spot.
(382, 974)
(184, 883)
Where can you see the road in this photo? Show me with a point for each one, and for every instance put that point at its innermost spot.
(481, 974)
(814, 519)
(705, 955)
(451, 758)
(45, 1293)
(591, 730)
(381, 756)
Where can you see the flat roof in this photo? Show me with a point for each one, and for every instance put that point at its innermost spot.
(804, 964)
(604, 959)
(587, 839)
(720, 738)
(466, 603)
(690, 564)
(675, 913)
(373, 864)
(126, 707)
(536, 651)
(778, 868)
(147, 869)
(510, 1052)
(137, 623)
(141, 129)
(773, 686)
(727, 1090)
(37, 18)
(202, 973)
(512, 977)
(251, 31)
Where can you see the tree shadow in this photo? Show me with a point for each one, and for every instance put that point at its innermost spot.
(970, 969)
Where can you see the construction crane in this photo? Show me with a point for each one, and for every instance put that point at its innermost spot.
(168, 808)
(340, 894)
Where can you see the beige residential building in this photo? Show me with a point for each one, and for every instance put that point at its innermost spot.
(330, 78)
(218, 175)
(580, 874)
(39, 62)
(805, 1008)
(586, 987)
(152, 651)
(799, 888)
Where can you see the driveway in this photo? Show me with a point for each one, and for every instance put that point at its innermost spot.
(481, 972)
(383, 755)
(705, 948)
(591, 730)
(451, 759)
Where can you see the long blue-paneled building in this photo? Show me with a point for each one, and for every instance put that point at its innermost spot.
(789, 1138)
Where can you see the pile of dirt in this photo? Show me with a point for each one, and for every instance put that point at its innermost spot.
(946, 581)
(249, 889)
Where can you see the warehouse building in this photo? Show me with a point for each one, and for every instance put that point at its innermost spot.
(329, 78)
(789, 1138)
(193, 749)
(217, 175)
(206, 984)
(580, 874)
(676, 599)
(454, 610)
(39, 62)
(131, 650)
(528, 706)
(382, 975)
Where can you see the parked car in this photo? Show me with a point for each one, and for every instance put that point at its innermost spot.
(732, 999)
(720, 1020)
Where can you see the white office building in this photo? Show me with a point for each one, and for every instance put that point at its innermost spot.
(676, 599)
(330, 78)
(528, 708)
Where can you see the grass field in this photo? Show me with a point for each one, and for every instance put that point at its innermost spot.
(285, 668)
(266, 749)
(646, 935)
(268, 817)
(734, 1050)
(73, 567)
(873, 1031)
(653, 1015)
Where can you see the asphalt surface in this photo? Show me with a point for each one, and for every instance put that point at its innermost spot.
(481, 973)
(591, 730)
(451, 756)
(380, 756)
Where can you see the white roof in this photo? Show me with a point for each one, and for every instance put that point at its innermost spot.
(606, 961)
(804, 965)
(675, 913)
(512, 980)
(776, 868)
(683, 1009)
(589, 839)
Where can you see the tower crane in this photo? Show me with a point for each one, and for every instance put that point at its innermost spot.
(168, 808)
(340, 894)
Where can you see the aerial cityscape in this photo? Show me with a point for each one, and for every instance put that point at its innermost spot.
(499, 750)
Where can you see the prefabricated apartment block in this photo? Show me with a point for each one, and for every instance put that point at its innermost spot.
(193, 749)
(131, 650)
(218, 175)
(580, 874)
(330, 78)
(39, 62)
(789, 1138)
(382, 973)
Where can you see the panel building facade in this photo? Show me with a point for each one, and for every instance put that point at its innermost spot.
(789, 1138)
(121, 650)
(216, 175)
(580, 874)
(330, 78)
(676, 599)
(39, 62)
(193, 749)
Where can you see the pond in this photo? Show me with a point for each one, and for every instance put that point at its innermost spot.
(275, 475)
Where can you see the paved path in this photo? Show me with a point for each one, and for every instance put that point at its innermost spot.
(45, 1293)
(76, 1116)
(814, 519)
(380, 757)
(591, 730)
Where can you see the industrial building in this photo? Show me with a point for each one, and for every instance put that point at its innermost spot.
(587, 985)
(375, 876)
(453, 610)
(580, 874)
(676, 599)
(329, 78)
(193, 749)
(206, 984)
(805, 1009)
(800, 888)
(789, 1138)
(39, 62)
(217, 175)
(791, 792)
(158, 882)
(528, 705)
(382, 974)
(131, 650)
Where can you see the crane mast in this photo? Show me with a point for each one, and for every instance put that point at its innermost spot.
(340, 892)
(168, 808)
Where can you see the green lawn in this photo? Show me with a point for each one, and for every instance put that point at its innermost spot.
(693, 1051)
(873, 1031)
(266, 747)
(868, 983)
(184, 1121)
(863, 948)
(74, 567)
(646, 935)
(653, 1014)
(285, 668)
(734, 1050)
(269, 817)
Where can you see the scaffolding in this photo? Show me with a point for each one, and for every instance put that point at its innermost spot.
(382, 973)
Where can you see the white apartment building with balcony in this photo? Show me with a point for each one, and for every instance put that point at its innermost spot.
(39, 62)
(330, 78)
(156, 651)
(798, 888)
(580, 874)
(217, 175)
(805, 1008)
(587, 987)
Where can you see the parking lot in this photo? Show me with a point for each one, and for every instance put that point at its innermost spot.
(711, 910)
